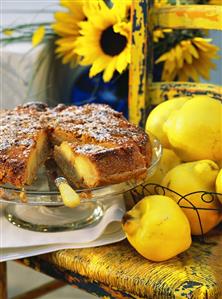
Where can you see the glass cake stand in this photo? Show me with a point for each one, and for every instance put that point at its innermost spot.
(39, 207)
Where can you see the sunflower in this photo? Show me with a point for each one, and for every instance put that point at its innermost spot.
(190, 59)
(104, 42)
(67, 27)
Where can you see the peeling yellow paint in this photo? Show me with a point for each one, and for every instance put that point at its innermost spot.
(160, 91)
(188, 16)
(138, 67)
(194, 273)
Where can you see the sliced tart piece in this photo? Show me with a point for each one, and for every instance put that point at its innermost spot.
(23, 146)
(91, 165)
(97, 124)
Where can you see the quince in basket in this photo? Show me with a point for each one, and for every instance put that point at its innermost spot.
(168, 160)
(159, 115)
(157, 228)
(192, 126)
(190, 177)
(195, 129)
(219, 185)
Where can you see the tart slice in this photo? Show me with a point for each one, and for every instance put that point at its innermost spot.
(23, 146)
(91, 165)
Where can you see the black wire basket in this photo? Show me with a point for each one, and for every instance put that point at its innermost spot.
(184, 201)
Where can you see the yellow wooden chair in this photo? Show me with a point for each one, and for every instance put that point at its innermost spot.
(118, 271)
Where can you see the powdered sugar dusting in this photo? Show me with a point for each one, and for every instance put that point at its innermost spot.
(17, 128)
(97, 122)
(91, 149)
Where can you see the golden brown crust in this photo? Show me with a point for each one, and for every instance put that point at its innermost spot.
(19, 133)
(111, 161)
(97, 124)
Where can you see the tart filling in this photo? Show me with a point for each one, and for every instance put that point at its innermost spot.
(95, 165)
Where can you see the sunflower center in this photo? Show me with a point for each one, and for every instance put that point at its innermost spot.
(112, 43)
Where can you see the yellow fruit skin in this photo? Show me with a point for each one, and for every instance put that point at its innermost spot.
(219, 185)
(159, 115)
(168, 160)
(157, 228)
(191, 177)
(195, 130)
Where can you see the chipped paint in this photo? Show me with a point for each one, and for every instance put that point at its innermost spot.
(118, 271)
(188, 16)
(138, 99)
(163, 91)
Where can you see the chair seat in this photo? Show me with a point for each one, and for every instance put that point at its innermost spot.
(118, 271)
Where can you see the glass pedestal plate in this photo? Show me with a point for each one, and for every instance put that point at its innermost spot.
(40, 207)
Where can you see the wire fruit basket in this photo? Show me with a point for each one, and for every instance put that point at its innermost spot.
(184, 201)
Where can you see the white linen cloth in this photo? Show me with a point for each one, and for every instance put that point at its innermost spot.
(17, 242)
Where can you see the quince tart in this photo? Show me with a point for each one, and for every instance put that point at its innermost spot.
(93, 145)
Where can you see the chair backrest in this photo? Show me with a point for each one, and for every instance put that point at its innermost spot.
(140, 67)
(142, 91)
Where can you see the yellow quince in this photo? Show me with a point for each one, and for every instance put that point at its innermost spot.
(187, 180)
(159, 116)
(219, 185)
(168, 160)
(195, 129)
(157, 228)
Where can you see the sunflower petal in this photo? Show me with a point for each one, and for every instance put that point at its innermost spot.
(163, 57)
(64, 17)
(122, 61)
(60, 29)
(8, 31)
(68, 57)
(98, 66)
(202, 70)
(109, 71)
(193, 51)
(179, 56)
(38, 36)
(75, 7)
